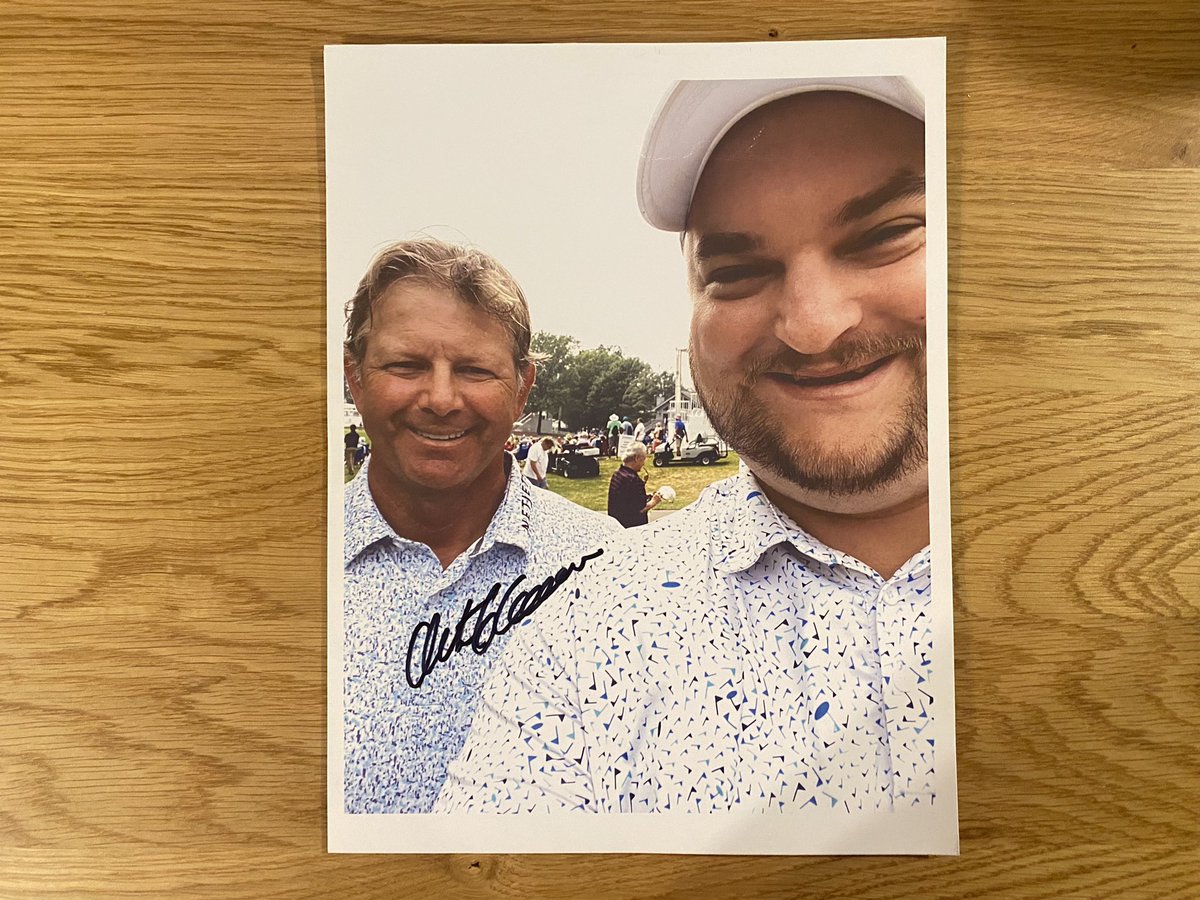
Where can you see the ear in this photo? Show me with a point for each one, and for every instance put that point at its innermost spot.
(528, 376)
(350, 369)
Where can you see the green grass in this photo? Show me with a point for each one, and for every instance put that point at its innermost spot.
(688, 481)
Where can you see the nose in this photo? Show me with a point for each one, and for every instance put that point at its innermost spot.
(440, 395)
(817, 306)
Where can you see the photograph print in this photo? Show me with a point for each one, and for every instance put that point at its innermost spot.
(638, 365)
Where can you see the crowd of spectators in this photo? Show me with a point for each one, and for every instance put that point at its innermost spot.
(606, 440)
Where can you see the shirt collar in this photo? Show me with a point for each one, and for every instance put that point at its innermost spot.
(760, 525)
(365, 525)
(511, 523)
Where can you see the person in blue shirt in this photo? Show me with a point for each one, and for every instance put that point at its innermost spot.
(680, 436)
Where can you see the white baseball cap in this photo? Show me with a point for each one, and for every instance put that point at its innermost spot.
(694, 116)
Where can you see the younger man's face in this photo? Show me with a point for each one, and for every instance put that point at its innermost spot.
(805, 246)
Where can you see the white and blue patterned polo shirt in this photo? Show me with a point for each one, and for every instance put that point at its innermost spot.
(718, 659)
(399, 739)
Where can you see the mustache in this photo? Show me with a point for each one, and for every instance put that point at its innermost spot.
(852, 352)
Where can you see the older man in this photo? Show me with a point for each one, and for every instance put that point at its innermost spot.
(447, 546)
(628, 501)
(769, 646)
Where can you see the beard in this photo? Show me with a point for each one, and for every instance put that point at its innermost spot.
(760, 434)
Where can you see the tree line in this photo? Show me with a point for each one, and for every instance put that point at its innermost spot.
(584, 387)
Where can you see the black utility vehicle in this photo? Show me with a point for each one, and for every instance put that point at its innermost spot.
(576, 462)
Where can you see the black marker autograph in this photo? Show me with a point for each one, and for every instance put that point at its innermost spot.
(440, 642)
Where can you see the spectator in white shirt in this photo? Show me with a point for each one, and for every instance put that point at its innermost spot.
(538, 460)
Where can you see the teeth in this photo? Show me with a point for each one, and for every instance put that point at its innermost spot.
(440, 437)
(848, 375)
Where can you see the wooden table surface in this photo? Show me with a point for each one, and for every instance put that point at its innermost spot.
(163, 613)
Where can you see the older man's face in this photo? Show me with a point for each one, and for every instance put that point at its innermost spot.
(806, 257)
(438, 391)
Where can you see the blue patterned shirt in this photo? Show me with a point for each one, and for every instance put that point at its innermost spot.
(398, 739)
(718, 659)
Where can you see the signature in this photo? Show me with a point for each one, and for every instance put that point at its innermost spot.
(480, 623)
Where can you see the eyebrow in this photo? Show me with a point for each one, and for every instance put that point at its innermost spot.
(722, 242)
(904, 185)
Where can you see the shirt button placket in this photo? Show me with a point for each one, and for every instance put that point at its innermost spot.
(893, 697)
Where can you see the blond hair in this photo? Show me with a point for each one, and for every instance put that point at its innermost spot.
(474, 277)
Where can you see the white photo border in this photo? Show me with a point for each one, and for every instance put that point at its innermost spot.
(361, 83)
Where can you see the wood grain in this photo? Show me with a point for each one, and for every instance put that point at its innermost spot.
(162, 283)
